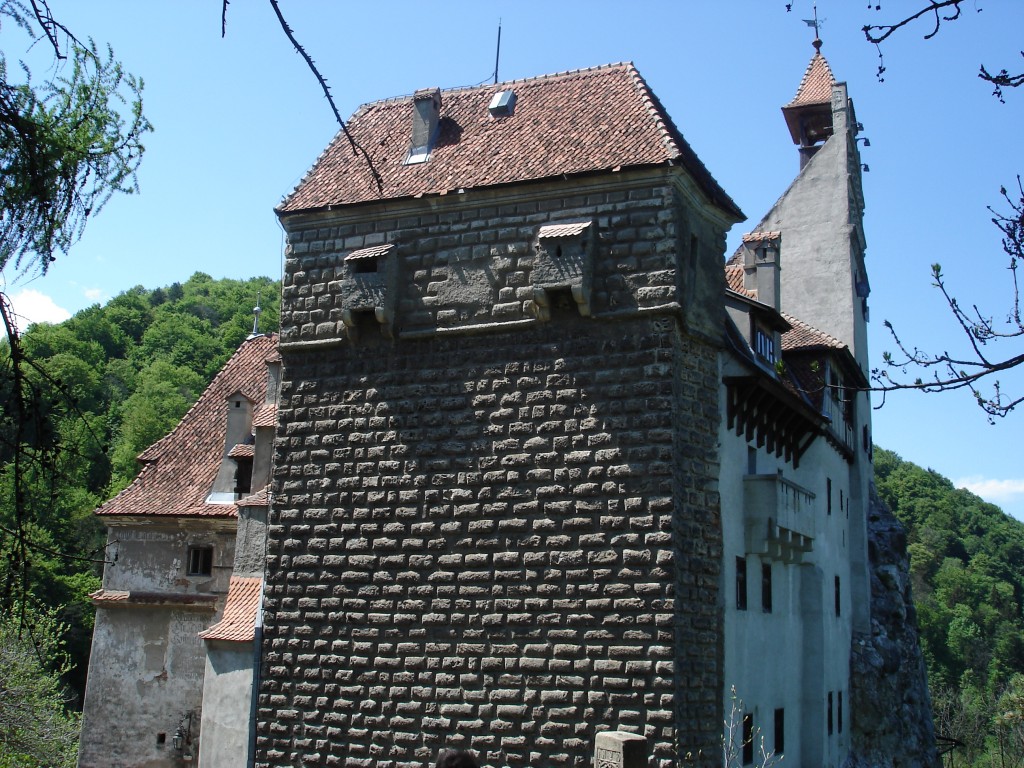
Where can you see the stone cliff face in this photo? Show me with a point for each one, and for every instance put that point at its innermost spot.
(893, 720)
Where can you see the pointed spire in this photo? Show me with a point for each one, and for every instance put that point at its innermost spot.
(809, 114)
(816, 85)
(256, 320)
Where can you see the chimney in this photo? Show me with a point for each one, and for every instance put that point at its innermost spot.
(762, 272)
(426, 114)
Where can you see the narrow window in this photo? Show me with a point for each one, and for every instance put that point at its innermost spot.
(751, 460)
(365, 266)
(748, 738)
(839, 712)
(828, 494)
(243, 475)
(840, 500)
(200, 561)
(838, 595)
(741, 583)
(765, 345)
(828, 714)
(766, 587)
(780, 731)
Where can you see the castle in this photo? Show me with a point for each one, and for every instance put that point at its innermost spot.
(525, 465)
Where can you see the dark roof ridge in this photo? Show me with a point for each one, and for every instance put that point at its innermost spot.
(496, 86)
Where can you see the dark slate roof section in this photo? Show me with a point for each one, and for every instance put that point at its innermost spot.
(178, 471)
(594, 120)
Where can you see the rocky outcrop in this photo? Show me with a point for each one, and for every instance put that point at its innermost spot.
(889, 684)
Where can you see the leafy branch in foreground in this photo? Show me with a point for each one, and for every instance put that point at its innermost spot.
(982, 332)
(66, 145)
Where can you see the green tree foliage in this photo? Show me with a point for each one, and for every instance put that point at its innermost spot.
(113, 380)
(967, 566)
(67, 144)
(37, 728)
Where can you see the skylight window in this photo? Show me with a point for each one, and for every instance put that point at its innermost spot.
(417, 155)
(502, 104)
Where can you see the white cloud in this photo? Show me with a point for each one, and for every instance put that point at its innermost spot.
(993, 490)
(34, 307)
(93, 294)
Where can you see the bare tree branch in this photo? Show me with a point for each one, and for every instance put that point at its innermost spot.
(952, 371)
(878, 33)
(356, 147)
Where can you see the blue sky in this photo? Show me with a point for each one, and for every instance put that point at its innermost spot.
(239, 121)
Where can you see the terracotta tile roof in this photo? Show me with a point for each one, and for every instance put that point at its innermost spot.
(259, 499)
(179, 470)
(238, 623)
(734, 280)
(804, 336)
(759, 237)
(265, 416)
(816, 85)
(590, 120)
(801, 335)
(369, 253)
(242, 450)
(563, 230)
(109, 596)
(118, 597)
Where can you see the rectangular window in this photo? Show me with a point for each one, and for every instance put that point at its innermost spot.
(780, 731)
(751, 460)
(748, 738)
(741, 583)
(766, 587)
(828, 494)
(765, 346)
(838, 596)
(839, 712)
(828, 714)
(200, 561)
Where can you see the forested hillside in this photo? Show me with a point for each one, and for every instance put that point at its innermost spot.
(967, 567)
(113, 379)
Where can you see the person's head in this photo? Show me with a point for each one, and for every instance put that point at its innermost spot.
(456, 758)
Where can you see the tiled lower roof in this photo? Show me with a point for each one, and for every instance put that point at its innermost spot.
(265, 416)
(563, 230)
(804, 336)
(178, 471)
(238, 623)
(259, 499)
(801, 335)
(115, 597)
(242, 451)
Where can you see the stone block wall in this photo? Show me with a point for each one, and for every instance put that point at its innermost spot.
(470, 261)
(491, 532)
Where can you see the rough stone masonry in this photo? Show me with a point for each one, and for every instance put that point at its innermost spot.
(490, 530)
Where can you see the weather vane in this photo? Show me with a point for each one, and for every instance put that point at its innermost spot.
(816, 24)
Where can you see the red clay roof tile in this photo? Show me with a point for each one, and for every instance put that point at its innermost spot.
(804, 336)
(265, 416)
(588, 120)
(238, 623)
(179, 470)
(816, 85)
